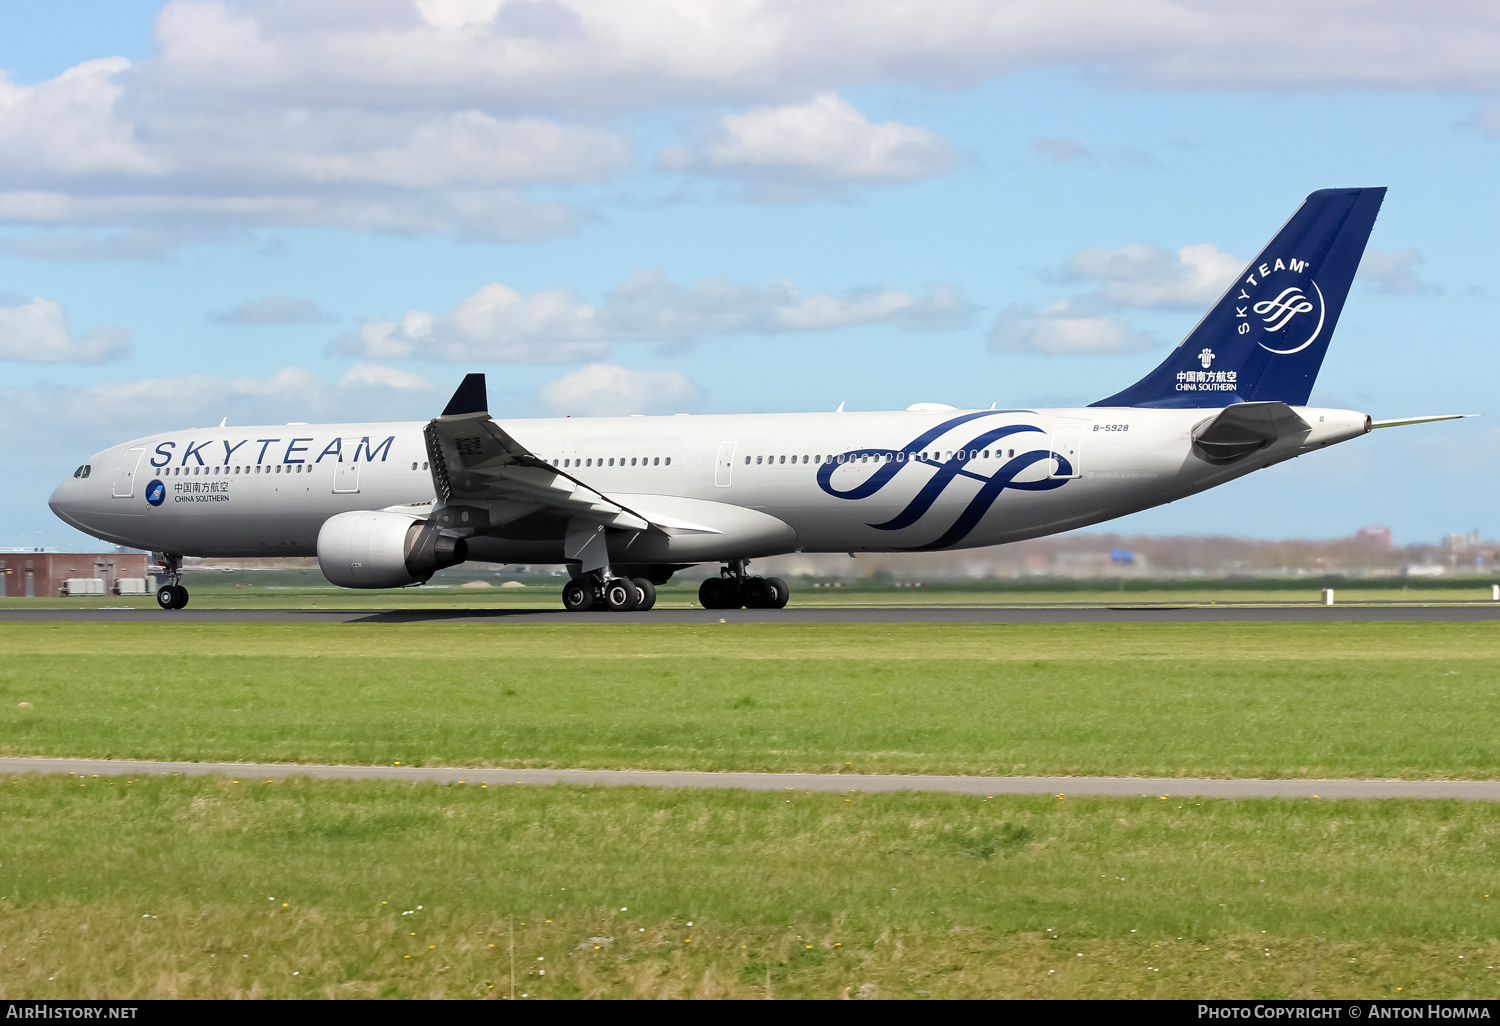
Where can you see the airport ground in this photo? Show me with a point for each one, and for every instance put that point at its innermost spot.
(460, 588)
(161, 886)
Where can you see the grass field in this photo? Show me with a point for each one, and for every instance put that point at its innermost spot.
(212, 887)
(222, 887)
(1417, 700)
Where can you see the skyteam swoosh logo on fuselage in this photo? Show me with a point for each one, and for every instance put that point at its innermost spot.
(948, 471)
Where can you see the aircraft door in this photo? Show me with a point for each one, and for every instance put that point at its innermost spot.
(1067, 443)
(345, 478)
(130, 461)
(724, 465)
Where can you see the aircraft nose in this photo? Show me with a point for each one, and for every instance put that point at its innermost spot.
(66, 502)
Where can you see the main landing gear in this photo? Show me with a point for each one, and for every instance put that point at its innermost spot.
(171, 595)
(734, 588)
(615, 594)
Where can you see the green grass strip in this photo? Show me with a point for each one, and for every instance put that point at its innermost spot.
(216, 887)
(1414, 700)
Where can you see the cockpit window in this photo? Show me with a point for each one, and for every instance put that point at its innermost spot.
(82, 471)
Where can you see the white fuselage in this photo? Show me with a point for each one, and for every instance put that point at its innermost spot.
(872, 482)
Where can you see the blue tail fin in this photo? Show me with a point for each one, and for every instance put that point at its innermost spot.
(1265, 339)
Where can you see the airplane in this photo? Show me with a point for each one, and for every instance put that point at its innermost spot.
(626, 502)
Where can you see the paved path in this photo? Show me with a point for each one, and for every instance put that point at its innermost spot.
(1483, 790)
(1301, 613)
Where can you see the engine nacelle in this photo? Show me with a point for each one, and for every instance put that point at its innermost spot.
(370, 549)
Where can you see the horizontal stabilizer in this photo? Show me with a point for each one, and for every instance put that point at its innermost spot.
(1245, 428)
(1403, 421)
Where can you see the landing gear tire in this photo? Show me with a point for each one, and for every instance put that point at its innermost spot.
(620, 595)
(645, 593)
(708, 593)
(780, 592)
(172, 596)
(578, 597)
(720, 593)
(757, 595)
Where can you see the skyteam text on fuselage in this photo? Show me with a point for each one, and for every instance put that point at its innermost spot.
(625, 502)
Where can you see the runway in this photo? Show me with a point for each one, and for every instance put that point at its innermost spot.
(847, 783)
(1125, 613)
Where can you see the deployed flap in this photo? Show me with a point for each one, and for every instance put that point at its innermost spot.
(1245, 428)
(474, 460)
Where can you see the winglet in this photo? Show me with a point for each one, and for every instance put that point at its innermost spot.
(470, 397)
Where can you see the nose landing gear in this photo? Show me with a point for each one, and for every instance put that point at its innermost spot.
(171, 595)
(734, 588)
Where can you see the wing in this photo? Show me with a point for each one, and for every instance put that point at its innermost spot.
(475, 461)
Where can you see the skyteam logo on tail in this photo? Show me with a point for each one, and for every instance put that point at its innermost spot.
(1287, 303)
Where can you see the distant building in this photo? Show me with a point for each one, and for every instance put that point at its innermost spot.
(1461, 542)
(1377, 536)
(29, 573)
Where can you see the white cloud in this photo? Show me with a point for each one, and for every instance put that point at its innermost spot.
(67, 126)
(272, 310)
(37, 332)
(648, 306)
(183, 165)
(608, 390)
(60, 422)
(437, 116)
(603, 55)
(1394, 273)
(1148, 278)
(397, 149)
(1489, 121)
(823, 142)
(1061, 149)
(374, 375)
(1134, 276)
(499, 324)
(1059, 330)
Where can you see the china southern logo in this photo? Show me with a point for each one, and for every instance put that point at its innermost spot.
(1287, 314)
(156, 493)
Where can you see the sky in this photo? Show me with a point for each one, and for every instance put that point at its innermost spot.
(329, 210)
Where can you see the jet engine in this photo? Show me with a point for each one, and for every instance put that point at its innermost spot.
(370, 549)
